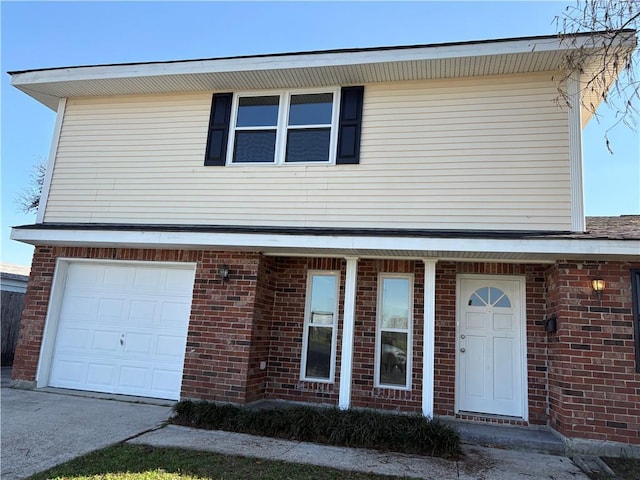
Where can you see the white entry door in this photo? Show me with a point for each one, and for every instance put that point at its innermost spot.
(491, 360)
(122, 328)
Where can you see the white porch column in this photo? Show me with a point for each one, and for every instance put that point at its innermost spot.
(428, 340)
(348, 324)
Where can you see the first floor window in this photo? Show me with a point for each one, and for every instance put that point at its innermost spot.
(394, 332)
(319, 340)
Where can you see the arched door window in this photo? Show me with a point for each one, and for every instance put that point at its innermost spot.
(489, 297)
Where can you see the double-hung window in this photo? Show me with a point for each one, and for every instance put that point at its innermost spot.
(288, 127)
(394, 331)
(320, 126)
(320, 325)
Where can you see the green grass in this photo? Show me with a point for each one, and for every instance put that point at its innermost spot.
(624, 468)
(139, 462)
(352, 428)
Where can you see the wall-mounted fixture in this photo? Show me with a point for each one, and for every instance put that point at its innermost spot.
(551, 324)
(598, 286)
(224, 272)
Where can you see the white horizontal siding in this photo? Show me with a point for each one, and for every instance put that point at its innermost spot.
(473, 153)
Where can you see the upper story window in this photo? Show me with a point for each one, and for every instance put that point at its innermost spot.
(285, 127)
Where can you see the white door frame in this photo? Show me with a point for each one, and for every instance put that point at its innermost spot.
(523, 335)
(58, 283)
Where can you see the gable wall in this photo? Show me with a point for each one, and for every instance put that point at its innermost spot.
(473, 153)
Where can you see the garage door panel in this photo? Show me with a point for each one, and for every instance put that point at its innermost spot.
(139, 343)
(74, 338)
(164, 382)
(100, 376)
(179, 282)
(174, 314)
(170, 346)
(68, 372)
(79, 307)
(111, 309)
(116, 277)
(122, 329)
(106, 341)
(142, 312)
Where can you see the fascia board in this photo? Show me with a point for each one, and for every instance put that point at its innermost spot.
(275, 242)
(293, 61)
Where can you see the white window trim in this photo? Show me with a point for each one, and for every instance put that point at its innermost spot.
(282, 127)
(307, 324)
(409, 330)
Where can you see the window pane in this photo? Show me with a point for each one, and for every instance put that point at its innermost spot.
(319, 352)
(323, 295)
(393, 358)
(254, 146)
(308, 145)
(258, 111)
(395, 303)
(313, 109)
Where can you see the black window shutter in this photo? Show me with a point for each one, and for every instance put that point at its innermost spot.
(350, 125)
(216, 152)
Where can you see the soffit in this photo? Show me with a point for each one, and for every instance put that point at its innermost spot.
(306, 69)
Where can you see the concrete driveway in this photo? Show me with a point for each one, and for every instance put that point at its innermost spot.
(43, 429)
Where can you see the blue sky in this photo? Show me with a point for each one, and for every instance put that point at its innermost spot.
(54, 34)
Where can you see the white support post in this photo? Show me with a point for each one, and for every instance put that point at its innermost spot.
(348, 325)
(428, 340)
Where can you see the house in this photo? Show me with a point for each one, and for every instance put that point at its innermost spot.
(392, 228)
(13, 285)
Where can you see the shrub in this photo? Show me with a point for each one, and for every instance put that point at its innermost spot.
(351, 428)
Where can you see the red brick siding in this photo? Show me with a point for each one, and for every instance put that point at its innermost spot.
(261, 334)
(287, 329)
(364, 393)
(221, 329)
(594, 388)
(591, 388)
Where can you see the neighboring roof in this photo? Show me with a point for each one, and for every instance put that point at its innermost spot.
(9, 269)
(308, 69)
(624, 227)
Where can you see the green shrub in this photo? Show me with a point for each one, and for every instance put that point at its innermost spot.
(351, 428)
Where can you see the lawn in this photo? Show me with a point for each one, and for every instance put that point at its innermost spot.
(140, 462)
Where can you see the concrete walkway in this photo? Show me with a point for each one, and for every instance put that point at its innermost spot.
(41, 429)
(478, 463)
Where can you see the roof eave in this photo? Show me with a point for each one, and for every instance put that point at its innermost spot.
(310, 68)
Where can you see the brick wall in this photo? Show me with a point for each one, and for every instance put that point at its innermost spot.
(364, 393)
(287, 329)
(584, 375)
(221, 329)
(593, 386)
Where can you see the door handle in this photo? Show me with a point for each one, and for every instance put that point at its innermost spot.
(463, 336)
(462, 350)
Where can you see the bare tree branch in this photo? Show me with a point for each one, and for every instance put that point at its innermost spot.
(29, 199)
(609, 72)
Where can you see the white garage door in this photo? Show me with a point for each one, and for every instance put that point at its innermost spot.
(122, 329)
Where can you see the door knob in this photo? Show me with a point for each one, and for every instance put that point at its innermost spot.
(462, 350)
(463, 336)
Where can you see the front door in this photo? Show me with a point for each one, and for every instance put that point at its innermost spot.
(490, 353)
